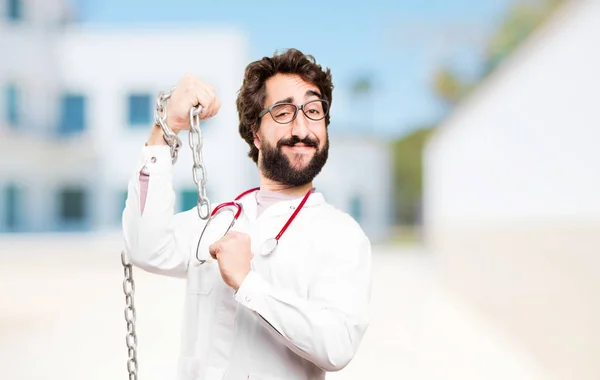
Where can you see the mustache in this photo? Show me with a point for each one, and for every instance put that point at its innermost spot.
(295, 140)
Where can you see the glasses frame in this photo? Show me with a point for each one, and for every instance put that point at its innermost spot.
(298, 107)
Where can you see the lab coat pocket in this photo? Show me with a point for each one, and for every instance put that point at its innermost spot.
(201, 278)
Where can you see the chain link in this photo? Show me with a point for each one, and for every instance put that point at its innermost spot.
(198, 169)
(130, 337)
(160, 118)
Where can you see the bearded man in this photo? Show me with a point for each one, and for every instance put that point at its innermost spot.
(284, 294)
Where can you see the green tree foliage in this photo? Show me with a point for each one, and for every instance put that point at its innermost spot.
(408, 170)
(448, 85)
(362, 85)
(521, 19)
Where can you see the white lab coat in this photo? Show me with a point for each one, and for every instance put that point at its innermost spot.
(300, 312)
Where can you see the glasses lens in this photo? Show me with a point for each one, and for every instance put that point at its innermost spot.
(283, 113)
(315, 110)
(216, 229)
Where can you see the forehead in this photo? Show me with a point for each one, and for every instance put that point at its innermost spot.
(282, 86)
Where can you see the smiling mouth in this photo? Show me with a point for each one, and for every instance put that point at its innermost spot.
(300, 147)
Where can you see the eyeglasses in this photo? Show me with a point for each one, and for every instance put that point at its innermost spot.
(284, 113)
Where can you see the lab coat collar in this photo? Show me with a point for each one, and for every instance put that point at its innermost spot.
(250, 205)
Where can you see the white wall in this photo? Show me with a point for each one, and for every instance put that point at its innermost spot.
(512, 209)
(528, 148)
(360, 166)
(28, 60)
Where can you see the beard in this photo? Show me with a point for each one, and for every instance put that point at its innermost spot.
(277, 167)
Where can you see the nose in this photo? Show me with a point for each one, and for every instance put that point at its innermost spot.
(300, 125)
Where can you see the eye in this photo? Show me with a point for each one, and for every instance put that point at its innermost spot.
(314, 108)
(282, 113)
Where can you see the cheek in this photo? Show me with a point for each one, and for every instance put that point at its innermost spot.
(321, 134)
(272, 136)
(267, 134)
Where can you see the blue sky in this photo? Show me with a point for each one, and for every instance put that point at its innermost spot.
(397, 43)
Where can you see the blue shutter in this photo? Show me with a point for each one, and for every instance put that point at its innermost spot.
(12, 201)
(188, 199)
(73, 210)
(356, 208)
(14, 10)
(72, 119)
(13, 110)
(140, 110)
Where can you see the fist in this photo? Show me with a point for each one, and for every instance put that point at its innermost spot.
(190, 92)
(233, 253)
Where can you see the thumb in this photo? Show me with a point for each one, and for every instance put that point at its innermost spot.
(214, 250)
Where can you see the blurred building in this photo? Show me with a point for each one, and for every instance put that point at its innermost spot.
(512, 196)
(77, 105)
(357, 179)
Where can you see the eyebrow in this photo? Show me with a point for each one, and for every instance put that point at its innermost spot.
(310, 93)
(290, 99)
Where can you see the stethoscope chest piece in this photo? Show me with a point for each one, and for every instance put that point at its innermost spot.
(268, 247)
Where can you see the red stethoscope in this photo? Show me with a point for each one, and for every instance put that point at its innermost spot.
(270, 244)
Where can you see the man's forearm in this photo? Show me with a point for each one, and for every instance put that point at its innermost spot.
(153, 234)
(325, 335)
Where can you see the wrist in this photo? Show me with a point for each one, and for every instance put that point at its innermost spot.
(236, 286)
(156, 136)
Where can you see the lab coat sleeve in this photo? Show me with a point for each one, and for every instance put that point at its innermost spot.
(328, 327)
(155, 240)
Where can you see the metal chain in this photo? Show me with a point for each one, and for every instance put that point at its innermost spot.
(198, 169)
(199, 176)
(195, 140)
(131, 337)
(160, 118)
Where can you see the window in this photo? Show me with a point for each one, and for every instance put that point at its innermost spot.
(356, 208)
(12, 105)
(188, 199)
(72, 206)
(140, 110)
(122, 199)
(14, 10)
(72, 117)
(12, 202)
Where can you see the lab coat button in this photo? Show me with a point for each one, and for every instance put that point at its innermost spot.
(292, 207)
(247, 299)
(153, 160)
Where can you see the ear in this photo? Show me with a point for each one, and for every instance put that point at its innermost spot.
(256, 139)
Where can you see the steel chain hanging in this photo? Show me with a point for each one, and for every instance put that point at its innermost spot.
(130, 337)
(203, 205)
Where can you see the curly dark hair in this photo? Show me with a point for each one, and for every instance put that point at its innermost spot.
(252, 94)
